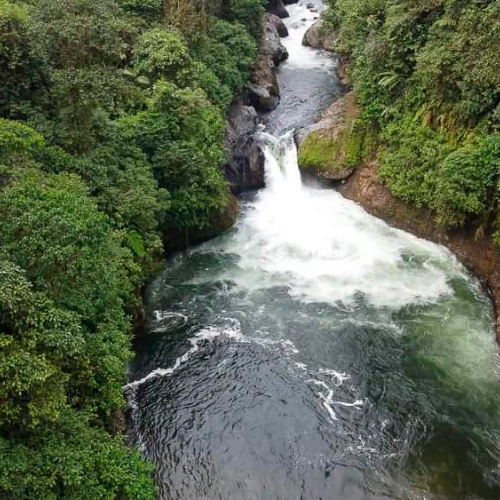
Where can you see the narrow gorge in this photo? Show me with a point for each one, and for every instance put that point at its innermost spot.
(312, 351)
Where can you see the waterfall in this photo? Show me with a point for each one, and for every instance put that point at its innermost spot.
(326, 248)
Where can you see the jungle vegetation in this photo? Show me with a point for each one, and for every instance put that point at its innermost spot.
(428, 81)
(112, 122)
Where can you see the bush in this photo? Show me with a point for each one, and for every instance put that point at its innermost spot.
(467, 181)
(18, 142)
(230, 52)
(38, 341)
(67, 247)
(19, 70)
(150, 9)
(72, 460)
(161, 53)
(82, 43)
(121, 180)
(182, 135)
(410, 160)
(249, 13)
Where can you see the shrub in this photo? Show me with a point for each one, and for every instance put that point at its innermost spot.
(72, 460)
(410, 159)
(249, 14)
(182, 134)
(230, 52)
(19, 70)
(161, 53)
(467, 181)
(53, 230)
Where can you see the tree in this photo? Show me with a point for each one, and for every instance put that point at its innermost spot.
(82, 44)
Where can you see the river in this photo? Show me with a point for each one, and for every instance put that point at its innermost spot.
(314, 352)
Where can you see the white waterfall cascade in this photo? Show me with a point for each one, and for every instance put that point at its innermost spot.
(326, 248)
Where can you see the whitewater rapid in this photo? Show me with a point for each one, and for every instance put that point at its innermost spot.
(327, 249)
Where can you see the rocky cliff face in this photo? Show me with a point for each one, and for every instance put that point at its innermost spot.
(244, 168)
(263, 91)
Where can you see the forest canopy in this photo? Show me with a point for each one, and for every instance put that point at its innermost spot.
(112, 124)
(428, 81)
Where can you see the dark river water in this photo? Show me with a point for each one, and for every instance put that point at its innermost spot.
(313, 352)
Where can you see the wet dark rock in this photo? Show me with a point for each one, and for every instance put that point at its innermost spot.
(244, 169)
(271, 43)
(263, 91)
(242, 120)
(278, 23)
(278, 8)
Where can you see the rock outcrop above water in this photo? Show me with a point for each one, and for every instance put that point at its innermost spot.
(278, 23)
(277, 7)
(245, 166)
(324, 150)
(318, 37)
(263, 91)
(271, 43)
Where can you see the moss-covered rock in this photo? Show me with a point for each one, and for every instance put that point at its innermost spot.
(336, 145)
(319, 37)
(324, 156)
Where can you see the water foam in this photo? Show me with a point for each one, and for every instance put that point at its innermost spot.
(301, 56)
(324, 248)
(206, 334)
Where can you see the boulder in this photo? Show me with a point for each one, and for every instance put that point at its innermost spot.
(318, 37)
(277, 7)
(327, 149)
(263, 90)
(271, 43)
(278, 23)
(244, 168)
(245, 171)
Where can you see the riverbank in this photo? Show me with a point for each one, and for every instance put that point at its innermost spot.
(479, 255)
(360, 183)
(431, 102)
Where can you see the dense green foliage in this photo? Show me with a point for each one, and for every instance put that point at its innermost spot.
(112, 123)
(427, 78)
